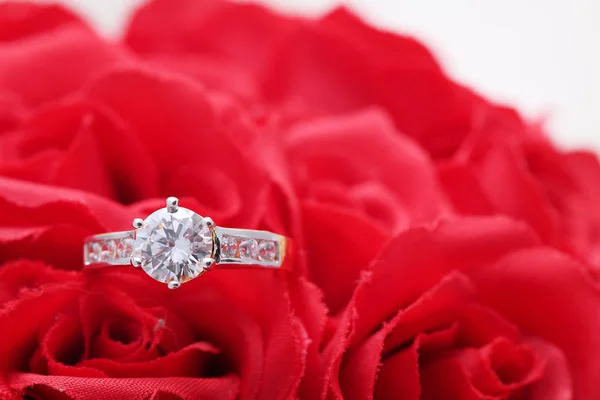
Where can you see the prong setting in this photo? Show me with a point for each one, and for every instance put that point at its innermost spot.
(173, 285)
(207, 263)
(138, 223)
(209, 222)
(172, 204)
(136, 262)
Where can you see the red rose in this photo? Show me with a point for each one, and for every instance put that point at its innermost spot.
(511, 168)
(235, 338)
(353, 141)
(468, 309)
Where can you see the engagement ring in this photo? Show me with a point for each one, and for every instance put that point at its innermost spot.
(175, 245)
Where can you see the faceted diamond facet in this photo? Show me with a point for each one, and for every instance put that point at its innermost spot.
(267, 251)
(229, 247)
(171, 246)
(248, 249)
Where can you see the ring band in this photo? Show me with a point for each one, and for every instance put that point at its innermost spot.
(175, 245)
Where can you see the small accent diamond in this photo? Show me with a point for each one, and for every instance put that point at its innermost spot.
(95, 251)
(248, 249)
(123, 247)
(229, 247)
(267, 251)
(109, 250)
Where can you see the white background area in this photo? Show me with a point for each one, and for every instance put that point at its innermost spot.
(542, 56)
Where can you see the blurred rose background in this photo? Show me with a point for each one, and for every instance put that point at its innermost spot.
(542, 56)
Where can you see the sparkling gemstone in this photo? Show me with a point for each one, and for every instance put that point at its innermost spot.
(229, 247)
(123, 247)
(171, 246)
(94, 251)
(248, 249)
(107, 250)
(267, 250)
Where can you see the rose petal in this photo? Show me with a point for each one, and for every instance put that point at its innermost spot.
(49, 223)
(581, 217)
(19, 21)
(361, 363)
(462, 244)
(244, 33)
(48, 66)
(383, 48)
(284, 337)
(11, 112)
(30, 313)
(514, 192)
(464, 190)
(399, 371)
(445, 379)
(361, 148)
(61, 348)
(394, 281)
(76, 144)
(30, 204)
(556, 298)
(215, 73)
(500, 368)
(157, 106)
(330, 233)
(556, 382)
(307, 300)
(130, 388)
(24, 275)
(193, 361)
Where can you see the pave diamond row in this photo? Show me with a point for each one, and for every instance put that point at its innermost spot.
(109, 250)
(248, 249)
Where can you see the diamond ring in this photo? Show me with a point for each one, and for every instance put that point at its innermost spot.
(175, 245)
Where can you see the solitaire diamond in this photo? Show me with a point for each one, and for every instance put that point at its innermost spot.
(173, 245)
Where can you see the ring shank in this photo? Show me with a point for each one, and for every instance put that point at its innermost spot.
(272, 250)
(232, 248)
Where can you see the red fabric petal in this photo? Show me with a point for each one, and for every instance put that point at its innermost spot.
(381, 48)
(500, 368)
(243, 33)
(577, 200)
(330, 233)
(215, 73)
(284, 335)
(360, 149)
(324, 69)
(76, 144)
(464, 190)
(428, 313)
(30, 204)
(192, 361)
(307, 300)
(129, 388)
(24, 275)
(245, 314)
(515, 192)
(399, 375)
(556, 382)
(158, 106)
(463, 244)
(556, 298)
(11, 112)
(445, 379)
(50, 223)
(30, 313)
(47, 66)
(21, 20)
(412, 263)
